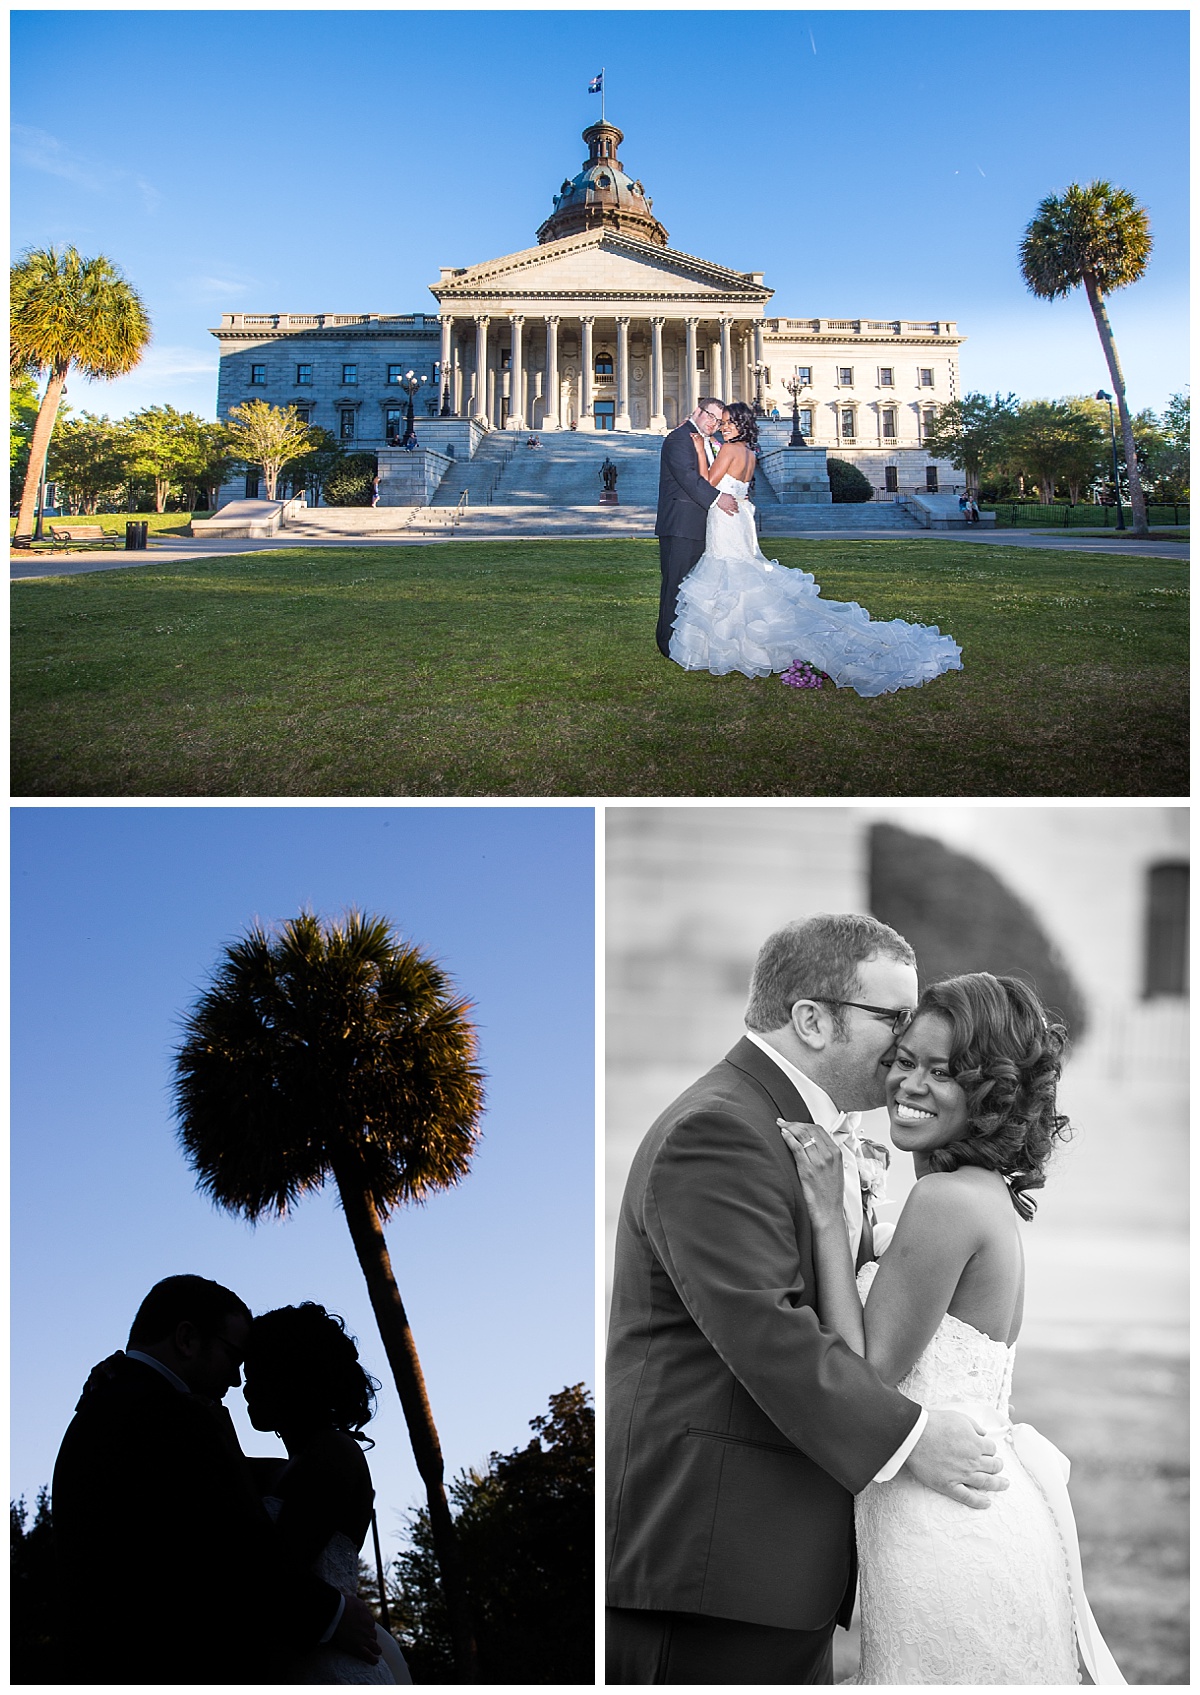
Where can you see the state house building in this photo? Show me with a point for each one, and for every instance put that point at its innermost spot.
(600, 326)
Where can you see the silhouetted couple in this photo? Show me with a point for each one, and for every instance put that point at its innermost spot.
(178, 1569)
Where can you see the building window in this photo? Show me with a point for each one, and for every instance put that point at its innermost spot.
(926, 376)
(701, 359)
(347, 423)
(604, 413)
(886, 376)
(889, 421)
(304, 375)
(251, 485)
(395, 372)
(928, 421)
(1166, 930)
(604, 365)
(931, 479)
(804, 375)
(806, 421)
(258, 376)
(506, 358)
(846, 376)
(304, 413)
(848, 423)
(350, 375)
(393, 425)
(891, 480)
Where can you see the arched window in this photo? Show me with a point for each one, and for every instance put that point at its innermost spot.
(604, 365)
(1166, 930)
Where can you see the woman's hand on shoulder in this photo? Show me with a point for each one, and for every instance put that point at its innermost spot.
(819, 1167)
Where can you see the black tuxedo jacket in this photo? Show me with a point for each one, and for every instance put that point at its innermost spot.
(683, 495)
(172, 1566)
(738, 1429)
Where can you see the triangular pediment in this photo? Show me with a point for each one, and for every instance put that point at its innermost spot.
(598, 265)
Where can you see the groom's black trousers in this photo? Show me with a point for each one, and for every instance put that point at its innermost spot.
(654, 1647)
(676, 556)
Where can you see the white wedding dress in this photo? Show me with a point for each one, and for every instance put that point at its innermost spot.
(739, 611)
(337, 1564)
(950, 1594)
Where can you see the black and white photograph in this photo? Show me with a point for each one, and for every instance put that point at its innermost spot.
(897, 1255)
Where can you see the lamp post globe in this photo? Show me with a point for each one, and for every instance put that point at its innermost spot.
(795, 388)
(411, 385)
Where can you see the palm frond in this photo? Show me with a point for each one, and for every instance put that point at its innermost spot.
(1091, 231)
(67, 310)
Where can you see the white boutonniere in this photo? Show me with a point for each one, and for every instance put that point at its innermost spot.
(873, 1160)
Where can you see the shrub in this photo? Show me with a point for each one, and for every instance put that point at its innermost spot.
(350, 483)
(847, 484)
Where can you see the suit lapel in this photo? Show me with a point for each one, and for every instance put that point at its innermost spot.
(747, 1057)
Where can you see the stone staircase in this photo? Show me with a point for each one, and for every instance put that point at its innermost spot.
(871, 515)
(563, 472)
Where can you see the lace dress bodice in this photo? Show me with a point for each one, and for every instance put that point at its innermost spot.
(950, 1594)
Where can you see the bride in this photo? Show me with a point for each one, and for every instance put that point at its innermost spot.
(950, 1596)
(304, 1381)
(738, 611)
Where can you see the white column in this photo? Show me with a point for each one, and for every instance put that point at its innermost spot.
(481, 370)
(622, 420)
(690, 391)
(726, 389)
(658, 420)
(553, 418)
(758, 359)
(747, 365)
(447, 344)
(516, 387)
(586, 421)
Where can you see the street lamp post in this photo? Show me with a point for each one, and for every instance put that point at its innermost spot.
(759, 369)
(411, 385)
(795, 388)
(1102, 394)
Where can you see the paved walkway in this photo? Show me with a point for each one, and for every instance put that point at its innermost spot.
(179, 548)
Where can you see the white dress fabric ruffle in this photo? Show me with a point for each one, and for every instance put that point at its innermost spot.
(739, 611)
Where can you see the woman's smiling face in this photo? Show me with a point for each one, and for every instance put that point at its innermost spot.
(926, 1106)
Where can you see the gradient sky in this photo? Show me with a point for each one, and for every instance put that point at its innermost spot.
(118, 917)
(870, 163)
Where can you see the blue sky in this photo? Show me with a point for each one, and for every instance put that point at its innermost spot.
(870, 163)
(118, 917)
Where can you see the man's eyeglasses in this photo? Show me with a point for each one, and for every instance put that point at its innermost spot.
(901, 1017)
(715, 416)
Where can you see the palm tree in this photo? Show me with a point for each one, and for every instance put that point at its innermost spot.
(1099, 236)
(336, 1050)
(66, 310)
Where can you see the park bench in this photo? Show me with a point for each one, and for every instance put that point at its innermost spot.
(84, 535)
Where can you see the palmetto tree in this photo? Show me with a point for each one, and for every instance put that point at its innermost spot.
(329, 1049)
(68, 311)
(1097, 236)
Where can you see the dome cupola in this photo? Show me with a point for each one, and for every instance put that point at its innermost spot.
(602, 196)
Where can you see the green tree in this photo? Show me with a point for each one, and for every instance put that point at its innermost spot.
(336, 1050)
(847, 484)
(67, 311)
(1055, 441)
(174, 448)
(22, 416)
(349, 483)
(974, 434)
(1096, 236)
(268, 436)
(526, 1530)
(37, 1605)
(1167, 449)
(89, 459)
(310, 470)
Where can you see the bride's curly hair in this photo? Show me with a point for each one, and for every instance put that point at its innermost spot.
(1006, 1055)
(302, 1358)
(745, 420)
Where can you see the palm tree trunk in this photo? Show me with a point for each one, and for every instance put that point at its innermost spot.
(1137, 499)
(43, 429)
(366, 1233)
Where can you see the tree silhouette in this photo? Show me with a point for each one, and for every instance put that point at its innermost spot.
(66, 310)
(526, 1527)
(1097, 236)
(335, 1050)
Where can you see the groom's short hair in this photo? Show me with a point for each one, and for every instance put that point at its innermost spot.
(197, 1300)
(817, 959)
(707, 400)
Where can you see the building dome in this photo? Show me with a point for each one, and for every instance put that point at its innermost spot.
(602, 196)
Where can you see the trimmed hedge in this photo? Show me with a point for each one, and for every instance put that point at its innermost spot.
(847, 484)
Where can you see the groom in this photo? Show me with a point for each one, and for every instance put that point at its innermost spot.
(739, 1429)
(171, 1564)
(683, 502)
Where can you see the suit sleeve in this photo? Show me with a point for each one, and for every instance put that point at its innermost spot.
(680, 456)
(722, 1217)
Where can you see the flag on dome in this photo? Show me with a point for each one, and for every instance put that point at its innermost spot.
(596, 86)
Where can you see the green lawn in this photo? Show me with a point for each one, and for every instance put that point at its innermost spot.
(505, 668)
